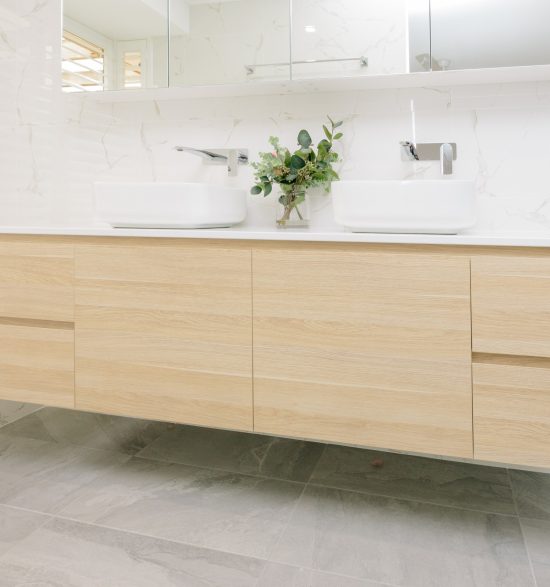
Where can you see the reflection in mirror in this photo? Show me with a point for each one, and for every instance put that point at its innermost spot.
(334, 38)
(114, 45)
(229, 41)
(472, 34)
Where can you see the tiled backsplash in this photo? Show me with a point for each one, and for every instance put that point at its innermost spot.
(53, 147)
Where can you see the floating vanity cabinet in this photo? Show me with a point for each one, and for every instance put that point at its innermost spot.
(37, 322)
(164, 331)
(511, 343)
(363, 347)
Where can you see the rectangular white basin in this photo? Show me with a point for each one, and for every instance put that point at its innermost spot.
(169, 205)
(443, 206)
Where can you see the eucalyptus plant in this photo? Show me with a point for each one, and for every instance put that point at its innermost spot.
(295, 172)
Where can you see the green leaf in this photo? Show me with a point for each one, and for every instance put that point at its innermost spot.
(256, 190)
(267, 189)
(304, 139)
(338, 136)
(297, 162)
(327, 133)
(288, 157)
(337, 124)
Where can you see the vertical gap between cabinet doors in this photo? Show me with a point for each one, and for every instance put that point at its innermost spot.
(471, 355)
(252, 335)
(74, 323)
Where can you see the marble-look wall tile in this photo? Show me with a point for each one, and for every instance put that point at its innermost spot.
(54, 147)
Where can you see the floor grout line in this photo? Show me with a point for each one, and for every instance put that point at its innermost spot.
(411, 500)
(38, 409)
(190, 544)
(523, 537)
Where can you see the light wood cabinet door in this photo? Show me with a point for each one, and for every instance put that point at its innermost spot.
(36, 322)
(165, 332)
(37, 281)
(511, 305)
(37, 364)
(512, 412)
(366, 348)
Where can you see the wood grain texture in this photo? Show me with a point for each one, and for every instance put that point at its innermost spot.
(37, 365)
(364, 348)
(511, 305)
(165, 333)
(512, 414)
(37, 280)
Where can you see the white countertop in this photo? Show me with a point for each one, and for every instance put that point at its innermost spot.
(307, 235)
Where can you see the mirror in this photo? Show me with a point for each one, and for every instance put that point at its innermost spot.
(129, 44)
(114, 45)
(474, 34)
(333, 38)
(229, 41)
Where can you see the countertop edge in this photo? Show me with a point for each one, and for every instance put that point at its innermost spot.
(273, 234)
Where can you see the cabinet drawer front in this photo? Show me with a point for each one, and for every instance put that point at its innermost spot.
(165, 333)
(364, 348)
(512, 414)
(37, 365)
(37, 281)
(511, 305)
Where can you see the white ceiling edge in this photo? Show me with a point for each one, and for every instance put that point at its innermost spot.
(498, 75)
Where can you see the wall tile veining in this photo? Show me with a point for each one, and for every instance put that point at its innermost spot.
(54, 146)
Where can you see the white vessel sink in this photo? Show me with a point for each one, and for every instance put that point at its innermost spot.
(443, 206)
(169, 205)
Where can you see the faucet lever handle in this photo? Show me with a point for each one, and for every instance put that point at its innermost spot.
(446, 156)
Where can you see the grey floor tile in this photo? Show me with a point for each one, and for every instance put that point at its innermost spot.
(214, 509)
(11, 411)
(276, 575)
(532, 493)
(126, 435)
(238, 452)
(407, 477)
(15, 525)
(68, 554)
(537, 537)
(403, 542)
(41, 475)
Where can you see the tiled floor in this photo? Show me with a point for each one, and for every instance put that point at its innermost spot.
(89, 500)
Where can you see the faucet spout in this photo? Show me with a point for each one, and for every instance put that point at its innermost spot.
(231, 158)
(409, 150)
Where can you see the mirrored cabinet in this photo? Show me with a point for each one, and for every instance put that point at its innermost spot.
(138, 44)
(120, 45)
(230, 42)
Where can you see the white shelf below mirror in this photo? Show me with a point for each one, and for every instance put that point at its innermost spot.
(500, 75)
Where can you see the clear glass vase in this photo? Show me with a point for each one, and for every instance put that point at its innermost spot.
(292, 208)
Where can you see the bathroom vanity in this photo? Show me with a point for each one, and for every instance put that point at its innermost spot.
(437, 346)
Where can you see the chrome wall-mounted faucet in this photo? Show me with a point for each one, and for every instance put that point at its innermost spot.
(445, 153)
(232, 158)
